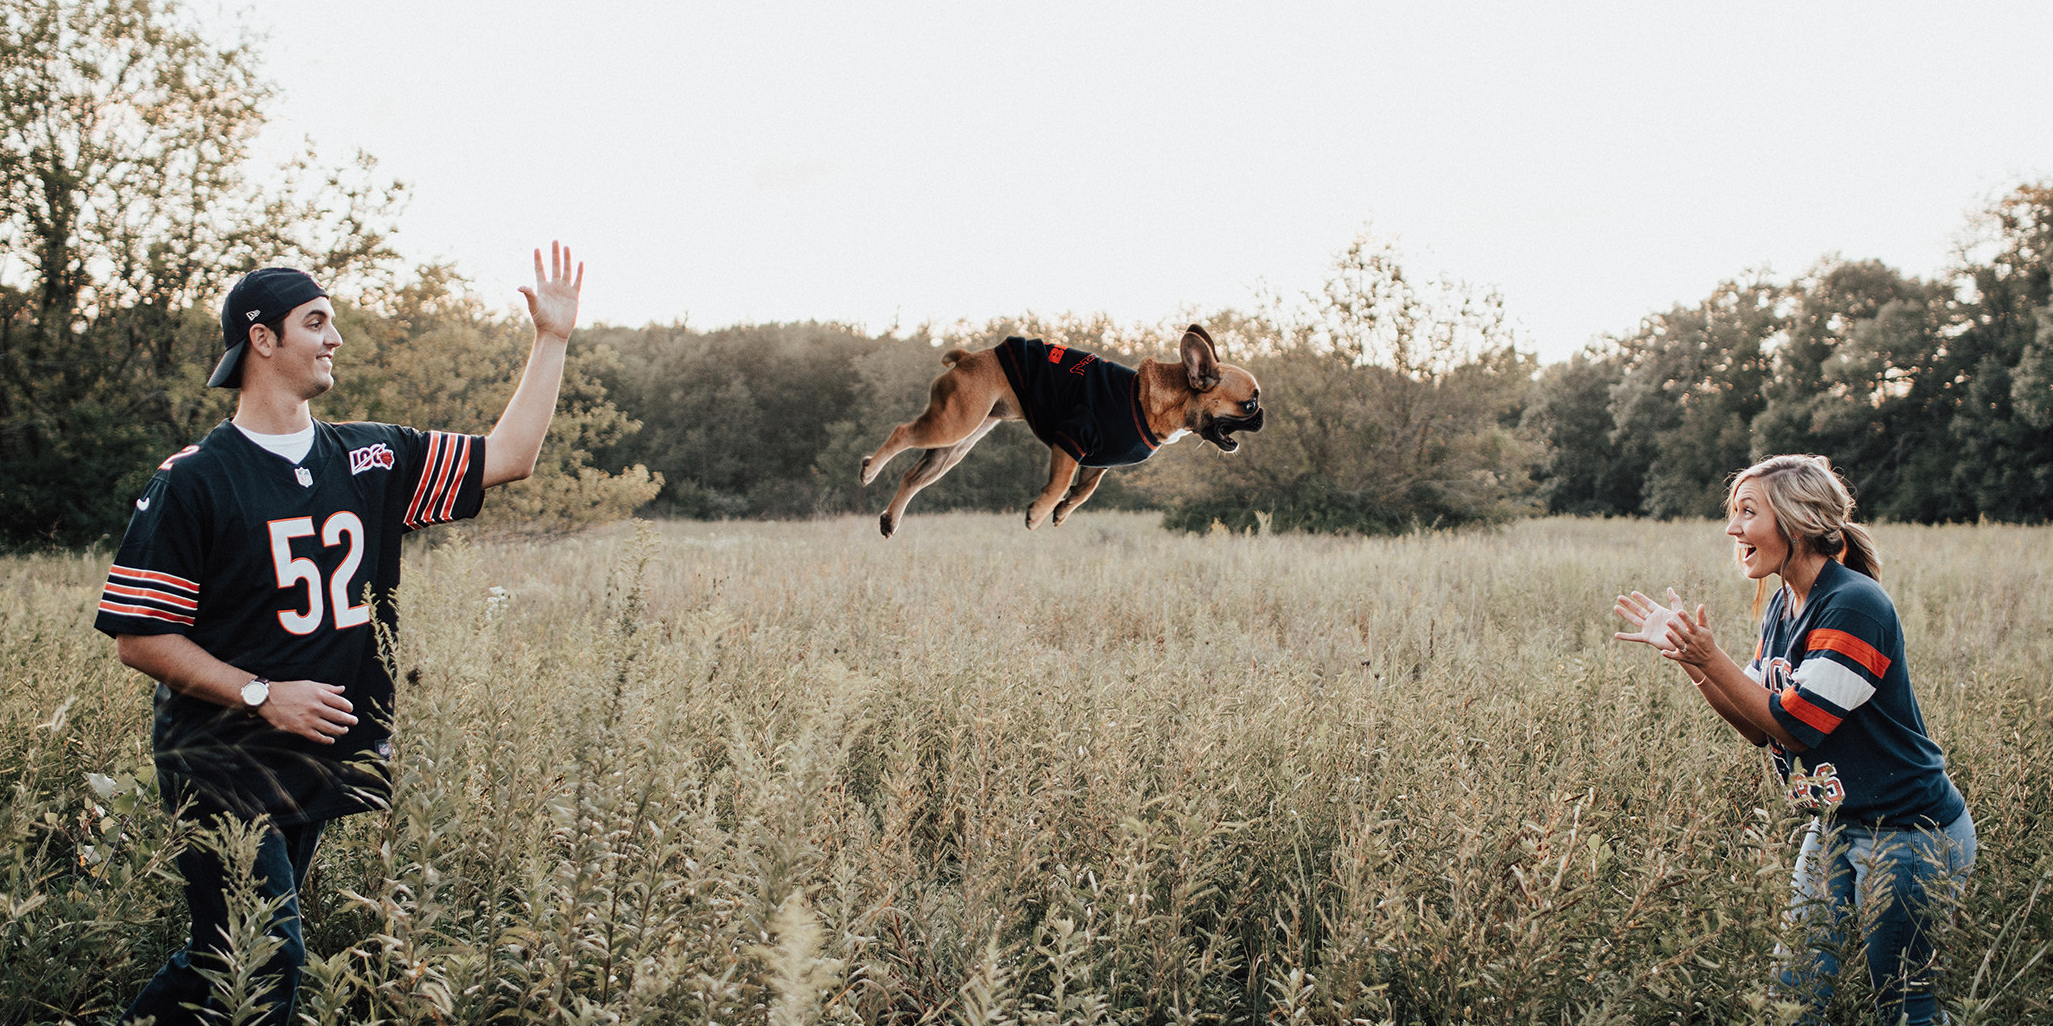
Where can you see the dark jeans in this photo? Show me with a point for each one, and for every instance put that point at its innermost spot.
(1897, 888)
(283, 858)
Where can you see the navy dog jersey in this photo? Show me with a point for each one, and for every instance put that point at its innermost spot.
(282, 569)
(1087, 407)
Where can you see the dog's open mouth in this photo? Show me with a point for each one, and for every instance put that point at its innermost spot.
(1219, 431)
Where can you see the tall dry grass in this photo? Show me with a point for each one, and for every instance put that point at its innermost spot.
(789, 773)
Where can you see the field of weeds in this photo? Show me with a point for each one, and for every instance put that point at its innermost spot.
(784, 773)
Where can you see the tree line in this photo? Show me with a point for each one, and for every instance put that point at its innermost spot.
(1396, 402)
(1935, 398)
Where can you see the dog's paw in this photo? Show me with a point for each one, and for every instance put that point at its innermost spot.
(865, 475)
(885, 525)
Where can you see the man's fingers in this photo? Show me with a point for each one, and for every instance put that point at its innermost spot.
(538, 266)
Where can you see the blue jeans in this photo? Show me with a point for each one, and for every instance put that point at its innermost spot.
(283, 857)
(1898, 887)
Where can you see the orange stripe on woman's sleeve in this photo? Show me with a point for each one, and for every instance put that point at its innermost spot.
(1819, 720)
(1848, 645)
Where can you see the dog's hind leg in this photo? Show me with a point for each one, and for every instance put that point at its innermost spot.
(933, 463)
(1061, 470)
(1086, 483)
(953, 414)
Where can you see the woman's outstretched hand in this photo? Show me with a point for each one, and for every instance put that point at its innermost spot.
(1650, 619)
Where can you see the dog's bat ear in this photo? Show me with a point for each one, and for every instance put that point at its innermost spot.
(1200, 360)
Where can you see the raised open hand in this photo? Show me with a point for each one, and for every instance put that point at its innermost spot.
(1649, 618)
(552, 303)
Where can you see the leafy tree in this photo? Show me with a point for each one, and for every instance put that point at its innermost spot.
(126, 208)
(1856, 379)
(1581, 470)
(1692, 386)
(734, 419)
(2004, 450)
(1392, 404)
(2031, 387)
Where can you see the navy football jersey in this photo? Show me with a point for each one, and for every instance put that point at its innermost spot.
(281, 569)
(1837, 683)
(1074, 401)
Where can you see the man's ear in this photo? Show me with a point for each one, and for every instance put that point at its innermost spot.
(261, 340)
(1200, 360)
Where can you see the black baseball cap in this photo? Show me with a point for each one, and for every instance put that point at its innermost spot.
(262, 295)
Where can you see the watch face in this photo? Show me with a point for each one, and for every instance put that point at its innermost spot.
(254, 693)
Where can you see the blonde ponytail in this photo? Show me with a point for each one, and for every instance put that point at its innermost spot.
(1859, 553)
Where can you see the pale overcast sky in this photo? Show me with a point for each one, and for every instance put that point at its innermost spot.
(896, 162)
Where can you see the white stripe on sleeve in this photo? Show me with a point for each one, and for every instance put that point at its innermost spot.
(1830, 680)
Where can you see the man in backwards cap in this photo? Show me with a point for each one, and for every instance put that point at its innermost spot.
(249, 586)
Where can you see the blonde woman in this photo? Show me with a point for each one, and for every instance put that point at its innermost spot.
(1828, 692)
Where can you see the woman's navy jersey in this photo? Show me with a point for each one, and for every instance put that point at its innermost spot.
(1837, 683)
(266, 565)
(1073, 400)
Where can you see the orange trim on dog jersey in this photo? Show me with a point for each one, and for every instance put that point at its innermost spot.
(1821, 721)
(1848, 645)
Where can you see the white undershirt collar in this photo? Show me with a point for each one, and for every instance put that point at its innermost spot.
(293, 447)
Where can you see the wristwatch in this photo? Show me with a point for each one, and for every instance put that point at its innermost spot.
(255, 693)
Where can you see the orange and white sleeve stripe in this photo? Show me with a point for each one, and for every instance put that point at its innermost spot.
(1838, 675)
(442, 474)
(150, 595)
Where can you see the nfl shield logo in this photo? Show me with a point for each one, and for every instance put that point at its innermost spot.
(305, 476)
